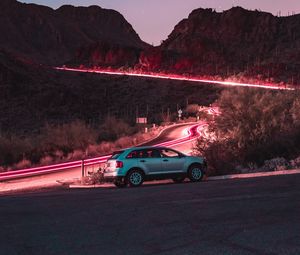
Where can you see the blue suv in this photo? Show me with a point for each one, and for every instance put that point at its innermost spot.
(135, 165)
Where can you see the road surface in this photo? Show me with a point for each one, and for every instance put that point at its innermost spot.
(249, 216)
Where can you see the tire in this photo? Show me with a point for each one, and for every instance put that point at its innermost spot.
(178, 179)
(135, 178)
(120, 184)
(195, 173)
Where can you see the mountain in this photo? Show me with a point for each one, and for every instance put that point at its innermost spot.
(52, 37)
(236, 41)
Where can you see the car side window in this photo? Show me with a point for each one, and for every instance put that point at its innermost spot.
(155, 154)
(150, 153)
(133, 154)
(167, 153)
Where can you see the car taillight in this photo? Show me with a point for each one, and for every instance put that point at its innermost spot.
(119, 164)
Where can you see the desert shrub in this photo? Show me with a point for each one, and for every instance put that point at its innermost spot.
(218, 154)
(67, 137)
(124, 142)
(96, 178)
(254, 126)
(12, 149)
(114, 128)
(72, 141)
(47, 160)
(76, 154)
(92, 150)
(24, 163)
(192, 110)
(276, 164)
(92, 178)
(105, 147)
(295, 163)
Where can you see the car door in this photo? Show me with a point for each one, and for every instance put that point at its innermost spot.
(150, 161)
(172, 161)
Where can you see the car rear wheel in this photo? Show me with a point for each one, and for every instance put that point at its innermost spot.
(195, 173)
(178, 179)
(135, 178)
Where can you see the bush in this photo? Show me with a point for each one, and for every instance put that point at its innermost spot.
(67, 137)
(47, 160)
(93, 178)
(12, 149)
(276, 164)
(217, 153)
(72, 141)
(254, 126)
(24, 163)
(295, 163)
(114, 128)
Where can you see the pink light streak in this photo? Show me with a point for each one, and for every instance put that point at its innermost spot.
(175, 77)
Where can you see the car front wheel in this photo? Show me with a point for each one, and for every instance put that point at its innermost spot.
(135, 178)
(195, 173)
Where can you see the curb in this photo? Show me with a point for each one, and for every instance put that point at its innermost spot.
(82, 186)
(253, 175)
(215, 178)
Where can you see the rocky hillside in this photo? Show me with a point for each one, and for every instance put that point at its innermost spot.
(233, 42)
(32, 96)
(40, 34)
(236, 42)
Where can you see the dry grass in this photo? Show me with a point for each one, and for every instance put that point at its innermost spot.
(56, 145)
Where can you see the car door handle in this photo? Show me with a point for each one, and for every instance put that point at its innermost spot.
(142, 160)
(165, 160)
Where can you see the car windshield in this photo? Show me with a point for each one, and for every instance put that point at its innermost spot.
(116, 154)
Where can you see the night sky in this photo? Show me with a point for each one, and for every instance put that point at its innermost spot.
(155, 19)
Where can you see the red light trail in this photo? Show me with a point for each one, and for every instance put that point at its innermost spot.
(176, 77)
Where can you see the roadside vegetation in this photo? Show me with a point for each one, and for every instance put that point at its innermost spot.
(75, 140)
(256, 130)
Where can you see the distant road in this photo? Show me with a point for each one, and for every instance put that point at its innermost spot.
(250, 216)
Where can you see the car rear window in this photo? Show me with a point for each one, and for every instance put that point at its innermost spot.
(116, 154)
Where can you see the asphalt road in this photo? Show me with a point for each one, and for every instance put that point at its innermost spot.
(249, 216)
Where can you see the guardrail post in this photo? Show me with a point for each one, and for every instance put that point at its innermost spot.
(82, 168)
